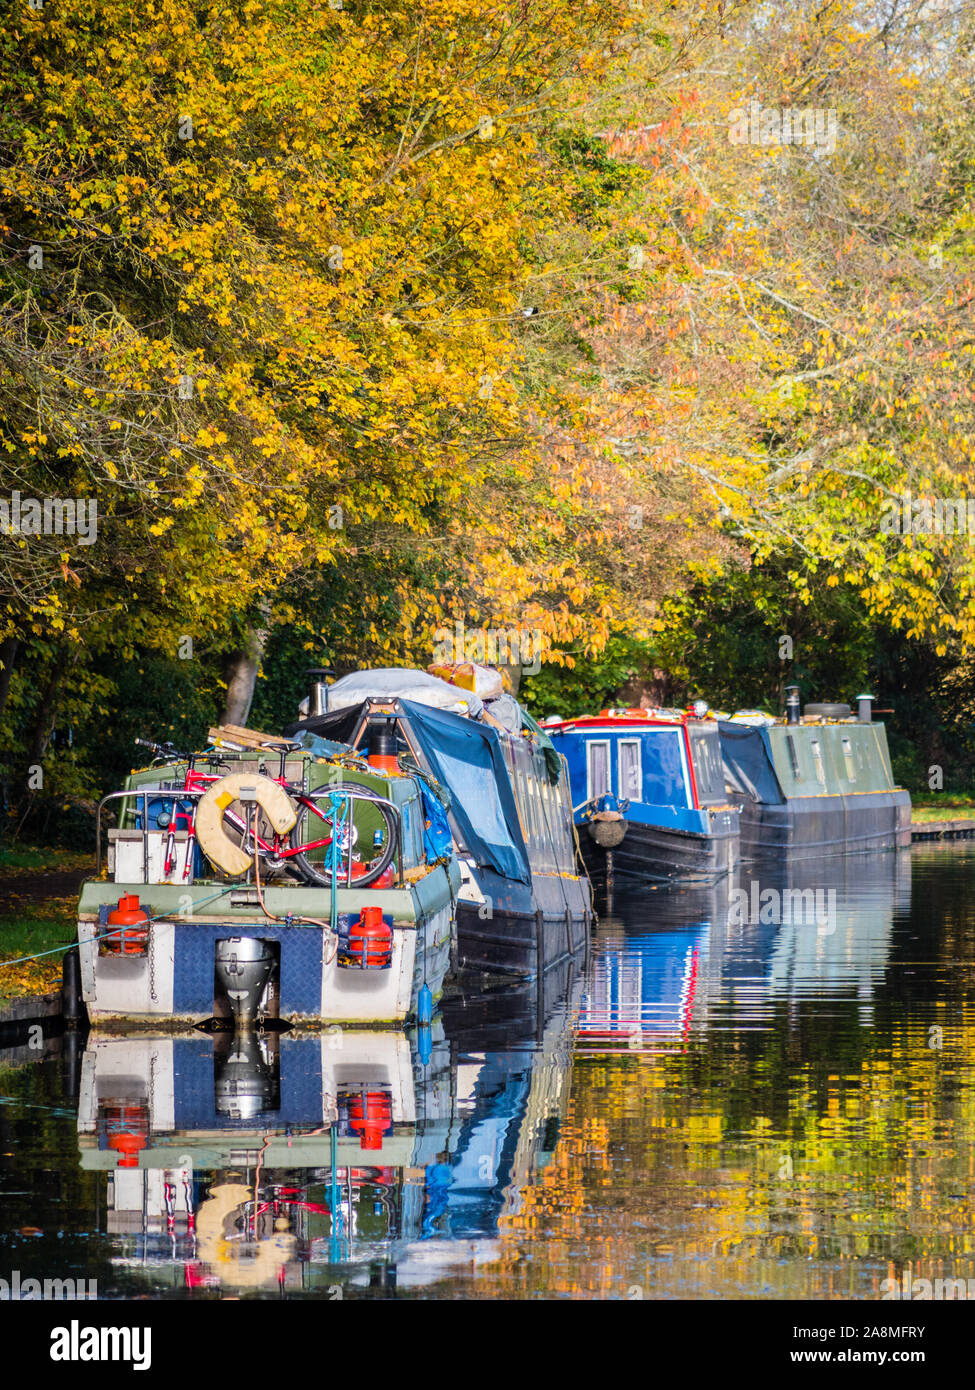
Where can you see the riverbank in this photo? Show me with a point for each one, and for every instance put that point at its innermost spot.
(38, 898)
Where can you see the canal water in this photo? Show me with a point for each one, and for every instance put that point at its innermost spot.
(765, 1089)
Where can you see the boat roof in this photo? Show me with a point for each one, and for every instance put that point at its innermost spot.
(626, 718)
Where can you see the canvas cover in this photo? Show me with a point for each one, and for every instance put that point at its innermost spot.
(466, 757)
(747, 766)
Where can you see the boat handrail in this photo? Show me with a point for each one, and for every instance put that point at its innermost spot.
(350, 790)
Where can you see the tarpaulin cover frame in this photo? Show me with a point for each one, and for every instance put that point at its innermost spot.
(446, 740)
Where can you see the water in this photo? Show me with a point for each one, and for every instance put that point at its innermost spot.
(744, 1094)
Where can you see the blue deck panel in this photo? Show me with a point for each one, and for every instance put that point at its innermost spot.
(301, 965)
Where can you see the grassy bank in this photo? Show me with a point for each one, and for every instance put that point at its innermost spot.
(30, 859)
(934, 806)
(38, 897)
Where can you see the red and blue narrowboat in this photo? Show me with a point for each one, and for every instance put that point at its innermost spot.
(648, 795)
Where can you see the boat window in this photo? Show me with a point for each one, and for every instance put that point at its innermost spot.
(597, 755)
(793, 755)
(708, 768)
(851, 770)
(817, 753)
(664, 778)
(629, 778)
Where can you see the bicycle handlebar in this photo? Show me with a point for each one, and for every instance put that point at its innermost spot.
(162, 750)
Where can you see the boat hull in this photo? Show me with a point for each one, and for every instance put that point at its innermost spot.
(520, 931)
(173, 978)
(811, 826)
(653, 853)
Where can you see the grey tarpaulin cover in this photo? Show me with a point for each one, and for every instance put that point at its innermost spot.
(400, 683)
(747, 765)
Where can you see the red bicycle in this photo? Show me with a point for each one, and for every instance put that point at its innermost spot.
(312, 857)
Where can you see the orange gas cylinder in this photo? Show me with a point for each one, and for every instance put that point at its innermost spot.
(129, 929)
(384, 762)
(385, 879)
(371, 939)
(128, 1126)
(370, 1116)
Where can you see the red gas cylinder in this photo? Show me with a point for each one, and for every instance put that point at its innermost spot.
(370, 1116)
(371, 939)
(128, 1127)
(385, 879)
(129, 924)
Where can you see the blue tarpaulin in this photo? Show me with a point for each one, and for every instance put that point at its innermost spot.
(466, 757)
(437, 838)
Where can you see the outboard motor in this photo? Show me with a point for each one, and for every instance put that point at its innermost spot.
(243, 967)
(245, 1081)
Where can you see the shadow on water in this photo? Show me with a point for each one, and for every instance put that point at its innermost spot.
(763, 1088)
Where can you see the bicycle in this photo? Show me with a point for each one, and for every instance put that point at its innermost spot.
(280, 851)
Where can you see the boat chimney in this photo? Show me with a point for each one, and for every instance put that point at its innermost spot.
(318, 700)
(865, 709)
(792, 704)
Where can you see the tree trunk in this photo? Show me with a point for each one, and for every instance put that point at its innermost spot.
(242, 677)
(8, 655)
(48, 709)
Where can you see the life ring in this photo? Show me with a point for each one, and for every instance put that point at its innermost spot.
(211, 834)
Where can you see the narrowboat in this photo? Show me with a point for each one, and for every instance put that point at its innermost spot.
(267, 881)
(524, 903)
(648, 795)
(814, 783)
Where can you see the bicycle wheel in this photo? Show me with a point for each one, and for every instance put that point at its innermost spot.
(374, 820)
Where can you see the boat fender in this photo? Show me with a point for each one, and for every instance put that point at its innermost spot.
(211, 833)
(608, 829)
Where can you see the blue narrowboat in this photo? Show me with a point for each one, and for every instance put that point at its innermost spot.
(648, 794)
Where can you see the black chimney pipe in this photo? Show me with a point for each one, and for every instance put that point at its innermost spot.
(792, 704)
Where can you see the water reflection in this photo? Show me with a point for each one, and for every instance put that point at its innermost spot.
(324, 1161)
(723, 955)
(753, 1090)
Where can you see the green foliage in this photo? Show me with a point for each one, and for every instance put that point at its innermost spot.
(588, 686)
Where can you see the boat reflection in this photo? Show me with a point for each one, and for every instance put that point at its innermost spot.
(320, 1162)
(676, 961)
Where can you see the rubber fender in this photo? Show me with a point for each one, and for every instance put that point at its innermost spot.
(216, 844)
